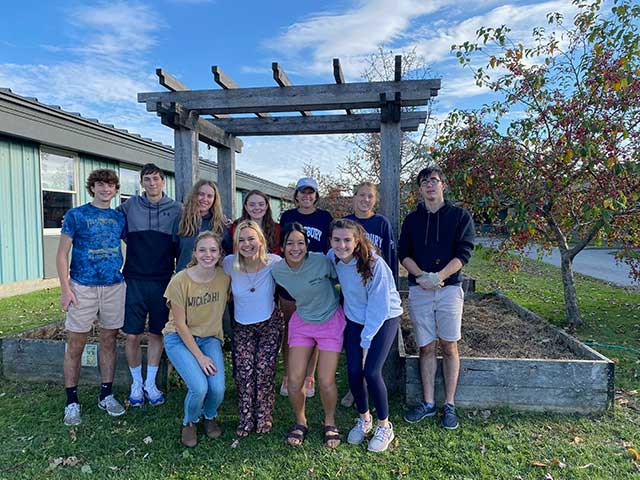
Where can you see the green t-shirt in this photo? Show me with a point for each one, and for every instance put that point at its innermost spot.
(312, 285)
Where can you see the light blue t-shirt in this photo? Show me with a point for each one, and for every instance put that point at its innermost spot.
(96, 257)
(312, 285)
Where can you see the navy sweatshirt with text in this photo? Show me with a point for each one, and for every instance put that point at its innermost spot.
(432, 240)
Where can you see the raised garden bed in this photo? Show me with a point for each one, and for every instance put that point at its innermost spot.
(37, 355)
(512, 358)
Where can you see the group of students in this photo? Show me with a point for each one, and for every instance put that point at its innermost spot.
(283, 279)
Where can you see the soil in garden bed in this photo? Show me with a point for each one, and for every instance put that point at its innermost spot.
(56, 331)
(491, 329)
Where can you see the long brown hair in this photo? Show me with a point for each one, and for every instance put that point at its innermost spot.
(191, 219)
(363, 252)
(201, 236)
(268, 225)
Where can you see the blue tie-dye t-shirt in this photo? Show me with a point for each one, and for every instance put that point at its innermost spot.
(96, 257)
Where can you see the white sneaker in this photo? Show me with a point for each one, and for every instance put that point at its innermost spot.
(112, 406)
(72, 415)
(136, 395)
(381, 439)
(155, 396)
(360, 431)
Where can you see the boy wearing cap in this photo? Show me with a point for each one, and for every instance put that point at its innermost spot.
(316, 224)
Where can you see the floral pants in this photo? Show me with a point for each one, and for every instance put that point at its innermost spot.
(255, 348)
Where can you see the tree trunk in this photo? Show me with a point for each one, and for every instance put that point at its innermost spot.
(572, 312)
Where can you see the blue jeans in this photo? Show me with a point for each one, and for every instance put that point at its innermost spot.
(204, 393)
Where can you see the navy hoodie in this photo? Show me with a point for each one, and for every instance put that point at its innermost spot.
(432, 240)
(151, 251)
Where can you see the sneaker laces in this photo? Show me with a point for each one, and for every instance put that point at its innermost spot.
(152, 391)
(382, 433)
(362, 424)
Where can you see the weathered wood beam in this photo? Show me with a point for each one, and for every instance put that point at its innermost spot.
(338, 75)
(172, 84)
(176, 116)
(296, 98)
(227, 83)
(186, 163)
(227, 181)
(281, 79)
(318, 124)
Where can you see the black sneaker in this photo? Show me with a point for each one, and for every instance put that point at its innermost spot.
(420, 411)
(449, 417)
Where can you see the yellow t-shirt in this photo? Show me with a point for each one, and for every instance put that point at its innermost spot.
(203, 303)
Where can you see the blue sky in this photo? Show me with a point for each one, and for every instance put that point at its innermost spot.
(94, 57)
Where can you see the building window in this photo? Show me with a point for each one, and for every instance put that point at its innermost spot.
(58, 178)
(129, 183)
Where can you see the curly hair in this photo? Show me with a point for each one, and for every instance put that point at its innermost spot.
(268, 225)
(363, 252)
(191, 218)
(202, 236)
(105, 175)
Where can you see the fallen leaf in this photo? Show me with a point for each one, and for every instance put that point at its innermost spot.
(577, 440)
(53, 463)
(499, 426)
(71, 461)
(632, 392)
(588, 465)
(235, 443)
(558, 463)
(482, 448)
(485, 414)
(132, 449)
(114, 468)
(147, 440)
(86, 469)
(73, 434)
(635, 454)
(145, 455)
(539, 464)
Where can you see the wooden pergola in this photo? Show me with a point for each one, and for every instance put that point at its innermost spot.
(205, 115)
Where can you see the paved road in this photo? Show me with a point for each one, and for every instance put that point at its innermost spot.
(598, 263)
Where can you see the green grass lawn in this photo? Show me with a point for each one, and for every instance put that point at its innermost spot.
(489, 444)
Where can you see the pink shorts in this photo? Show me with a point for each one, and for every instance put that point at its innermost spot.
(327, 335)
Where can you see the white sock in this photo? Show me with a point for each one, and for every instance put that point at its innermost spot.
(152, 370)
(136, 374)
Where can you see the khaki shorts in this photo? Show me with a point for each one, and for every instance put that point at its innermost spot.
(105, 304)
(436, 313)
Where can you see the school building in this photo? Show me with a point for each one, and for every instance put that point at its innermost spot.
(46, 154)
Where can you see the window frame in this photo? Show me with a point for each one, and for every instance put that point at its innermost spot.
(44, 150)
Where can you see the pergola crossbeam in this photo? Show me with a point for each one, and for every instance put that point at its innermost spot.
(318, 124)
(296, 98)
(172, 84)
(174, 115)
(227, 83)
(339, 76)
(282, 80)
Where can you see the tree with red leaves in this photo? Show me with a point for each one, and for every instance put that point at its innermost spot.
(560, 152)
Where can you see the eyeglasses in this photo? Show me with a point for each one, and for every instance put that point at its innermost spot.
(430, 181)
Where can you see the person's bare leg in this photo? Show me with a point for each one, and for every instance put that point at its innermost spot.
(132, 349)
(311, 371)
(450, 369)
(287, 307)
(73, 357)
(107, 354)
(327, 365)
(428, 366)
(299, 357)
(154, 352)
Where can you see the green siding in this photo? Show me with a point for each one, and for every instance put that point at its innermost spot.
(21, 255)
(170, 185)
(86, 165)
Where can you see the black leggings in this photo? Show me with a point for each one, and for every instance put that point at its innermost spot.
(372, 370)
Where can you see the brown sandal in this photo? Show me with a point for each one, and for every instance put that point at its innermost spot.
(297, 433)
(331, 433)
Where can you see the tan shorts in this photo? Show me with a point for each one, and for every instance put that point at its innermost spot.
(105, 304)
(436, 313)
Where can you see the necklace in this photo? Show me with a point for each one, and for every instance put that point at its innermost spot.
(252, 279)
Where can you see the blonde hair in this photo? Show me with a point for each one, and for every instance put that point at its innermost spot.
(371, 185)
(239, 262)
(203, 236)
(191, 218)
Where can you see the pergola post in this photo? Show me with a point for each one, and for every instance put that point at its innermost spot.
(227, 180)
(390, 137)
(186, 161)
